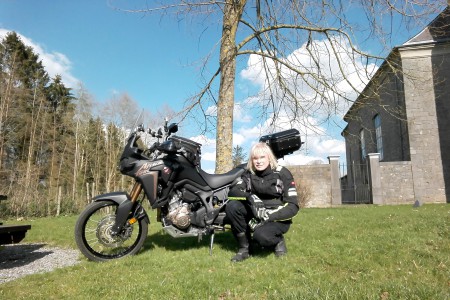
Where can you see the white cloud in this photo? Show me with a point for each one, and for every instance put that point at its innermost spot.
(209, 156)
(320, 141)
(241, 114)
(322, 73)
(301, 159)
(203, 139)
(239, 139)
(255, 71)
(328, 147)
(211, 111)
(55, 63)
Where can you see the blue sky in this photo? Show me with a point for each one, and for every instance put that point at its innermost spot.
(155, 60)
(110, 51)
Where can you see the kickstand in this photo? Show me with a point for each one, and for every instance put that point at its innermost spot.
(211, 244)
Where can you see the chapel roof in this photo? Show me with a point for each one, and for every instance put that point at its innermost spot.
(437, 30)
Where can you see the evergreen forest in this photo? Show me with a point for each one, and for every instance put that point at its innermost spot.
(55, 152)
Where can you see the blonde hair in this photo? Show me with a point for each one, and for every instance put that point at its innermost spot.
(260, 149)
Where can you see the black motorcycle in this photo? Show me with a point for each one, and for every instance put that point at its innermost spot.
(189, 201)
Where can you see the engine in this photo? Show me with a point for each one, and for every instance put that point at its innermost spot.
(179, 213)
(180, 217)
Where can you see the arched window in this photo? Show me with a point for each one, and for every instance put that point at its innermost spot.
(378, 135)
(362, 145)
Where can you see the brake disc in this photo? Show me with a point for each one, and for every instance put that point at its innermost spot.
(104, 232)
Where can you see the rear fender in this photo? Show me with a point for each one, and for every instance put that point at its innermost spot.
(124, 209)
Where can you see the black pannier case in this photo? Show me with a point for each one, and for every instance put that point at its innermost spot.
(284, 142)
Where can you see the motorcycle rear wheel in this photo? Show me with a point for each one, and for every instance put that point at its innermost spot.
(93, 233)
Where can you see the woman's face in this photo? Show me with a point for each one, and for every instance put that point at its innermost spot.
(260, 162)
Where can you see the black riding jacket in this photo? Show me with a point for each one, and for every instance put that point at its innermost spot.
(276, 188)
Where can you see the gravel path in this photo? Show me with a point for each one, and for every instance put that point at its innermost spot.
(24, 259)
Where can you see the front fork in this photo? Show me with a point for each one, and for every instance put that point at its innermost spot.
(124, 209)
(135, 191)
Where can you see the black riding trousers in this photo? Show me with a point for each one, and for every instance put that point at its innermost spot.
(269, 234)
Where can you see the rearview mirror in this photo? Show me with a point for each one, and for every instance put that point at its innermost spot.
(172, 128)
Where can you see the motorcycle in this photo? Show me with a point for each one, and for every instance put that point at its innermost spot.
(189, 201)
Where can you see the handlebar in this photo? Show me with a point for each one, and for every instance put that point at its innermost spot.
(162, 134)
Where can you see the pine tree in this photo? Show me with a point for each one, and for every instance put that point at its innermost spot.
(61, 113)
(94, 155)
(239, 156)
(22, 90)
(36, 121)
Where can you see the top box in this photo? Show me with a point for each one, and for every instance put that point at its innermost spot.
(284, 142)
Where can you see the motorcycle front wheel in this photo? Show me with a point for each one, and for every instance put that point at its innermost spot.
(93, 233)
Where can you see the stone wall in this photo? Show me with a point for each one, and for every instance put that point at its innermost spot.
(396, 182)
(314, 183)
(421, 110)
(442, 91)
(391, 183)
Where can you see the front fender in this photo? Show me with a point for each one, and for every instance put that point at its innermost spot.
(118, 197)
(124, 209)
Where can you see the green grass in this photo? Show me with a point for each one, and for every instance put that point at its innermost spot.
(352, 252)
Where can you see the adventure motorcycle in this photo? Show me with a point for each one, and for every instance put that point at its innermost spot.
(189, 201)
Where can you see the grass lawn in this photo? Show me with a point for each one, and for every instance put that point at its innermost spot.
(351, 252)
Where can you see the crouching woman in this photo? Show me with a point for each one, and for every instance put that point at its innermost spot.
(270, 204)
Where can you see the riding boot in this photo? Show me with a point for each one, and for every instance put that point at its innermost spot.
(251, 245)
(243, 243)
(280, 248)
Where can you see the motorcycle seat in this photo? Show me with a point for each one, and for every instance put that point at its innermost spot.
(218, 180)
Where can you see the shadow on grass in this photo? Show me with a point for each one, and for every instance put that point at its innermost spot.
(222, 240)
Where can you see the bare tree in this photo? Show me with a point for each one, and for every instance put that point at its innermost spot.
(309, 54)
(82, 114)
(121, 110)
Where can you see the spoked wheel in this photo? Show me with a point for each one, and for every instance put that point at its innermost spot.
(93, 233)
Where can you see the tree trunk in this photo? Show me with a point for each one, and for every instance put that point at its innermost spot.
(88, 197)
(75, 162)
(58, 201)
(35, 120)
(232, 14)
(4, 110)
